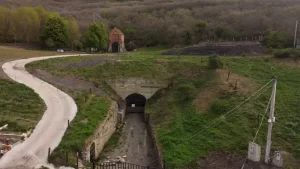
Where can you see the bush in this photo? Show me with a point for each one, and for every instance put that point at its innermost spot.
(277, 40)
(220, 106)
(286, 53)
(282, 53)
(214, 62)
(186, 92)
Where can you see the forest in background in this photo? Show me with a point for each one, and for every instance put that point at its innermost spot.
(178, 22)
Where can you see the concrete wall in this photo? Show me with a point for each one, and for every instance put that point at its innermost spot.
(103, 133)
(157, 149)
(126, 87)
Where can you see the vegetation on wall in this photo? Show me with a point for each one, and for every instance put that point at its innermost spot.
(92, 109)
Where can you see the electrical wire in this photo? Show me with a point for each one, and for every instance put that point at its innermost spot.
(258, 130)
(232, 110)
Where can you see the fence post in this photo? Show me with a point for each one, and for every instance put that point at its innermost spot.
(164, 164)
(49, 150)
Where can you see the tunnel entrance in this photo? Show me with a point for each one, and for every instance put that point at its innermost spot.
(135, 103)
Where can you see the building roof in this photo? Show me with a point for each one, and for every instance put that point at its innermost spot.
(116, 31)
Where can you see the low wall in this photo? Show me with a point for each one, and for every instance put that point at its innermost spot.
(102, 134)
(159, 162)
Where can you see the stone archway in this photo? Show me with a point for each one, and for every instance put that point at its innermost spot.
(115, 47)
(135, 103)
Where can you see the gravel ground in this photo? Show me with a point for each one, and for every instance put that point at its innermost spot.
(135, 142)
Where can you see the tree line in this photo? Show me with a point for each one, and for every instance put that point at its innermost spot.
(35, 25)
(175, 27)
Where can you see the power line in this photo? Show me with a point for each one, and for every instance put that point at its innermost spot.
(262, 120)
(232, 110)
(218, 119)
(256, 134)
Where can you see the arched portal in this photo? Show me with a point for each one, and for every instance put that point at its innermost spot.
(93, 152)
(135, 103)
(115, 47)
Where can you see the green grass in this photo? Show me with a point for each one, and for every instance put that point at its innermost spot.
(178, 122)
(92, 110)
(13, 53)
(20, 107)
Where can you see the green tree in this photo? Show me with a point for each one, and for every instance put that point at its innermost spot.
(4, 23)
(73, 33)
(200, 30)
(43, 16)
(55, 29)
(277, 40)
(97, 36)
(27, 24)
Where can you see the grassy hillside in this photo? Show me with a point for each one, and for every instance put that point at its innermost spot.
(178, 119)
(21, 107)
(92, 110)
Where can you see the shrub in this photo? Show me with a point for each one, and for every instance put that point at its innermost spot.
(283, 53)
(214, 62)
(220, 106)
(286, 53)
(244, 54)
(186, 92)
(277, 40)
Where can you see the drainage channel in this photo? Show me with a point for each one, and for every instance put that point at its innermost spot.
(135, 145)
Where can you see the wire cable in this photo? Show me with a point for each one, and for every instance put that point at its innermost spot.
(232, 110)
(218, 119)
(256, 134)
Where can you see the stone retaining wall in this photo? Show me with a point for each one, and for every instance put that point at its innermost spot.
(102, 134)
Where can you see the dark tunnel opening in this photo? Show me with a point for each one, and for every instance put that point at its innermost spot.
(135, 103)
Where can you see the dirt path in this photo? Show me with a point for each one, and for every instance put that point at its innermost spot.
(135, 142)
(50, 130)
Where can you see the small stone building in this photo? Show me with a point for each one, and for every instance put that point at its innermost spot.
(116, 41)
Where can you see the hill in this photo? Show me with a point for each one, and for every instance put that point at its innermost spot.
(172, 22)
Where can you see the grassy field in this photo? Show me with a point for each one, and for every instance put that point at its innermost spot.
(92, 110)
(11, 53)
(21, 108)
(176, 117)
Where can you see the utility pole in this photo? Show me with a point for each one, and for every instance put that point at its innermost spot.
(271, 120)
(295, 37)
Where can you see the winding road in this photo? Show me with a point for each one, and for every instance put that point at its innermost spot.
(48, 133)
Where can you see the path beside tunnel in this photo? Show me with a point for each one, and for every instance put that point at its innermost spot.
(135, 142)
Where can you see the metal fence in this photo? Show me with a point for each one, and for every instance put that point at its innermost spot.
(112, 165)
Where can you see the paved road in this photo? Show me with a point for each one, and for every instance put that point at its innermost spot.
(50, 130)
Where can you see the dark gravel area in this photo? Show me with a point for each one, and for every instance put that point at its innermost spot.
(249, 50)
